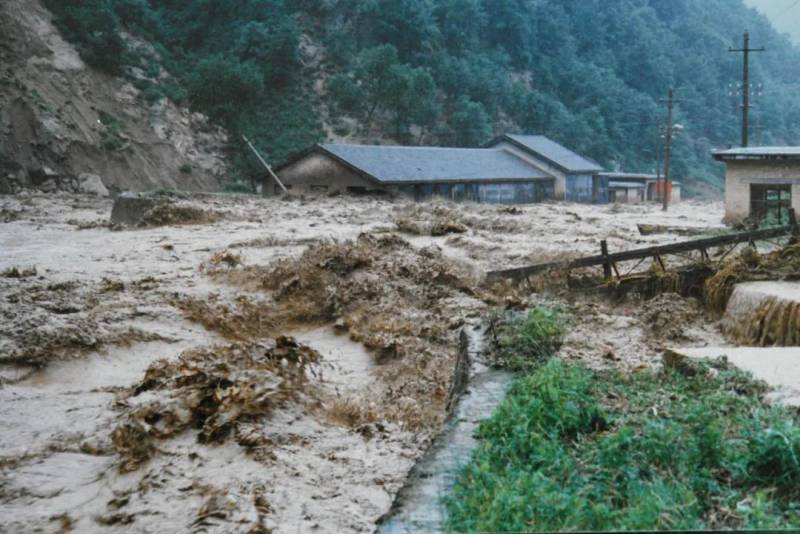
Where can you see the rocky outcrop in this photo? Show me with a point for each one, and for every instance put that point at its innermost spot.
(60, 119)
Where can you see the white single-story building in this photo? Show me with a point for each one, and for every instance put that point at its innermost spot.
(761, 183)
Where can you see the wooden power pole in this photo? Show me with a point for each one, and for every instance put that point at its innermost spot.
(265, 164)
(745, 50)
(658, 160)
(665, 193)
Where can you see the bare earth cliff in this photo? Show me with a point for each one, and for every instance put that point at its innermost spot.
(61, 120)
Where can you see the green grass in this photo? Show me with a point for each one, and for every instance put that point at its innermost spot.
(573, 449)
(523, 342)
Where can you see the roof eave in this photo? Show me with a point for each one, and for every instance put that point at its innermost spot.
(465, 180)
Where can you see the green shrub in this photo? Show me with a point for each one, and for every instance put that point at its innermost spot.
(186, 168)
(111, 138)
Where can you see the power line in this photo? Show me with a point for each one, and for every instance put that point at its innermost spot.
(785, 11)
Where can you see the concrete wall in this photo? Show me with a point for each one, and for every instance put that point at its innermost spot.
(628, 195)
(741, 174)
(319, 173)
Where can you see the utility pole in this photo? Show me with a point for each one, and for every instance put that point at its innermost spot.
(745, 50)
(670, 101)
(658, 160)
(264, 163)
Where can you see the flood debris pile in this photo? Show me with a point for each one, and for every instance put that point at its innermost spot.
(171, 213)
(159, 210)
(429, 219)
(749, 265)
(241, 318)
(218, 391)
(43, 320)
(402, 303)
(667, 316)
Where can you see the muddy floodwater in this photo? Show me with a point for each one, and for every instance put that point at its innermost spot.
(98, 324)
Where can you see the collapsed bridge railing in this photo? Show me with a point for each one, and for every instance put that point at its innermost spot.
(609, 261)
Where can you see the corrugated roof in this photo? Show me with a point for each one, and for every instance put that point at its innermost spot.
(400, 164)
(756, 152)
(559, 155)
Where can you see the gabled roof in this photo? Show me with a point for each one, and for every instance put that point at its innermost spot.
(758, 152)
(403, 165)
(552, 152)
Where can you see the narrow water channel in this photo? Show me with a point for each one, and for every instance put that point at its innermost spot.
(417, 507)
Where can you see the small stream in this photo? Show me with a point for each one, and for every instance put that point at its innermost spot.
(417, 507)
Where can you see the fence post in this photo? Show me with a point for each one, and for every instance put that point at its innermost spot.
(606, 263)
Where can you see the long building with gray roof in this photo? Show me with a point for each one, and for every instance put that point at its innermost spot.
(493, 174)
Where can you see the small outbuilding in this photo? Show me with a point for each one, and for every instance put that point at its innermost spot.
(480, 175)
(626, 192)
(639, 187)
(761, 183)
(578, 178)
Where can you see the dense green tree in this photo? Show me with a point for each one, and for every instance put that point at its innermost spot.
(589, 73)
(223, 85)
(471, 124)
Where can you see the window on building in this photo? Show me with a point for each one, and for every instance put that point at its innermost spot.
(770, 203)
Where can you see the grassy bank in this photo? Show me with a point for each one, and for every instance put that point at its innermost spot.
(575, 449)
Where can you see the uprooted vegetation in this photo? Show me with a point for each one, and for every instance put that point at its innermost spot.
(402, 303)
(572, 449)
(241, 319)
(171, 213)
(218, 391)
(433, 220)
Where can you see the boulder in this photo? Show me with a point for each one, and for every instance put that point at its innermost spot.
(129, 208)
(92, 184)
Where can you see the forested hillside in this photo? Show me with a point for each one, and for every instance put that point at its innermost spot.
(589, 73)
